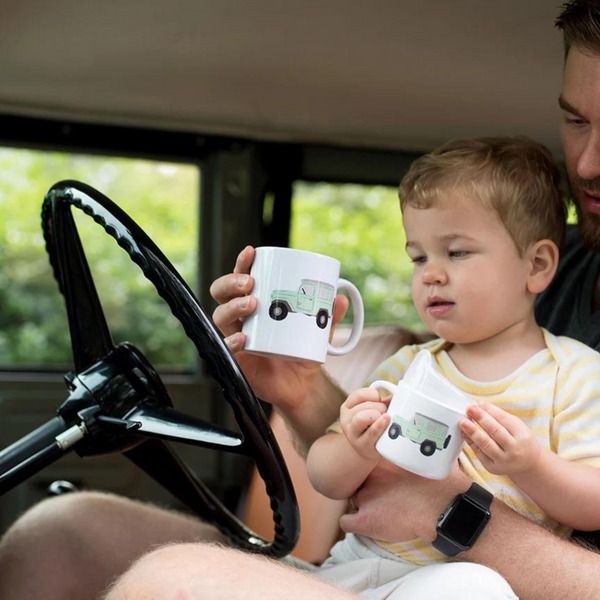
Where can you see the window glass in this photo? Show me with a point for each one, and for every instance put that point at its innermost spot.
(161, 197)
(324, 293)
(307, 289)
(361, 226)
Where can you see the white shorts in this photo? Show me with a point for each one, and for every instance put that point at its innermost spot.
(359, 565)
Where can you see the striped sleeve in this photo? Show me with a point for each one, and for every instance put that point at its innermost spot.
(575, 433)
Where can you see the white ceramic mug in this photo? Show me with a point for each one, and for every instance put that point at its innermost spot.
(423, 435)
(295, 292)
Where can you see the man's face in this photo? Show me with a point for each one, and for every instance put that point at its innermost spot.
(580, 132)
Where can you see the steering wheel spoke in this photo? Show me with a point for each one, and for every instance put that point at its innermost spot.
(167, 423)
(90, 336)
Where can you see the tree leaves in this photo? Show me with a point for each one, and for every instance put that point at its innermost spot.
(162, 198)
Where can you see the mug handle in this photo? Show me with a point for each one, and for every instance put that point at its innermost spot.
(384, 385)
(357, 323)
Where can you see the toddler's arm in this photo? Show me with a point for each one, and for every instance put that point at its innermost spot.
(338, 464)
(569, 492)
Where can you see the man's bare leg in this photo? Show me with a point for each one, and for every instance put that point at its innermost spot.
(212, 572)
(73, 546)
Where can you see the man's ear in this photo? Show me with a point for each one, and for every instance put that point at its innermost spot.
(543, 262)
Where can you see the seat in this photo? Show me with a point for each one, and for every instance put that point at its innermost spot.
(320, 515)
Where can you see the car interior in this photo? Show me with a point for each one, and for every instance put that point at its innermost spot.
(185, 131)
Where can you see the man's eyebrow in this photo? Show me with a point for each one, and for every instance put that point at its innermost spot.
(568, 107)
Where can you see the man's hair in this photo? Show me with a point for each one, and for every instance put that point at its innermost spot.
(579, 21)
(514, 176)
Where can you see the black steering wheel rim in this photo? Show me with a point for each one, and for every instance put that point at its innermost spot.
(92, 341)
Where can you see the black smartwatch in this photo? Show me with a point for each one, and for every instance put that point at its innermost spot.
(463, 521)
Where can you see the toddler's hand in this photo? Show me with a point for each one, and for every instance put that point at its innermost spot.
(364, 418)
(501, 441)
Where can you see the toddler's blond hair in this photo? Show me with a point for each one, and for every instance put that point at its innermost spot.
(514, 176)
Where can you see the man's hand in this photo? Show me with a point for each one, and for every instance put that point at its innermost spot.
(501, 441)
(283, 383)
(395, 505)
(363, 417)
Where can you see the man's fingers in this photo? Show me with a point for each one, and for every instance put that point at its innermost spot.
(235, 342)
(232, 285)
(244, 261)
(352, 522)
(238, 283)
(340, 308)
(227, 316)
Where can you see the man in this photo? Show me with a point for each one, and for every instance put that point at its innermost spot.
(68, 548)
(580, 133)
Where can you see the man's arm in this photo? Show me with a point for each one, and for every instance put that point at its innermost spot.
(308, 420)
(536, 563)
(395, 505)
(302, 392)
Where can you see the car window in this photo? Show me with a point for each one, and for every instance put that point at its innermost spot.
(361, 226)
(161, 197)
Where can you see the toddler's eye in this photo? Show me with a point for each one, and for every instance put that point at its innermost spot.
(418, 259)
(458, 253)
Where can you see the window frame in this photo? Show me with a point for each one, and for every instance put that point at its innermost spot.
(261, 168)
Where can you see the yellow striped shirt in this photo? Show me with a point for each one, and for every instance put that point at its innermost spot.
(556, 393)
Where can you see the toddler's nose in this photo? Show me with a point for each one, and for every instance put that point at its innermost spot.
(434, 274)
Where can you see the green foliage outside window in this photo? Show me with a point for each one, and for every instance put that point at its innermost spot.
(162, 198)
(361, 227)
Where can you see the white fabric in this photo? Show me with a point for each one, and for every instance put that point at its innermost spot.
(363, 567)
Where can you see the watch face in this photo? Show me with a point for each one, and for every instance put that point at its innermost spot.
(463, 521)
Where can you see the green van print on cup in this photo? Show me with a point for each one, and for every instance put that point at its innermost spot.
(428, 433)
(313, 298)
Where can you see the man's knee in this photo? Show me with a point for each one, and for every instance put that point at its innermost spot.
(204, 570)
(48, 541)
(56, 519)
(174, 571)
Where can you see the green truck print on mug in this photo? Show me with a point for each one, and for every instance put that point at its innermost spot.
(313, 298)
(428, 433)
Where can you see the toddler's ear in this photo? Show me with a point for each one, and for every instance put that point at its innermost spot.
(543, 261)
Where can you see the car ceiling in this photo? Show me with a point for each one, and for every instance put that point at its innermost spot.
(404, 74)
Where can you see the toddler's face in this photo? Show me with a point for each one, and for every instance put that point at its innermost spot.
(469, 282)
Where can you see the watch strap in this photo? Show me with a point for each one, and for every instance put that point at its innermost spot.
(482, 498)
(480, 495)
(445, 546)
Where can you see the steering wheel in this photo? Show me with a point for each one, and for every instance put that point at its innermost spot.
(117, 401)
